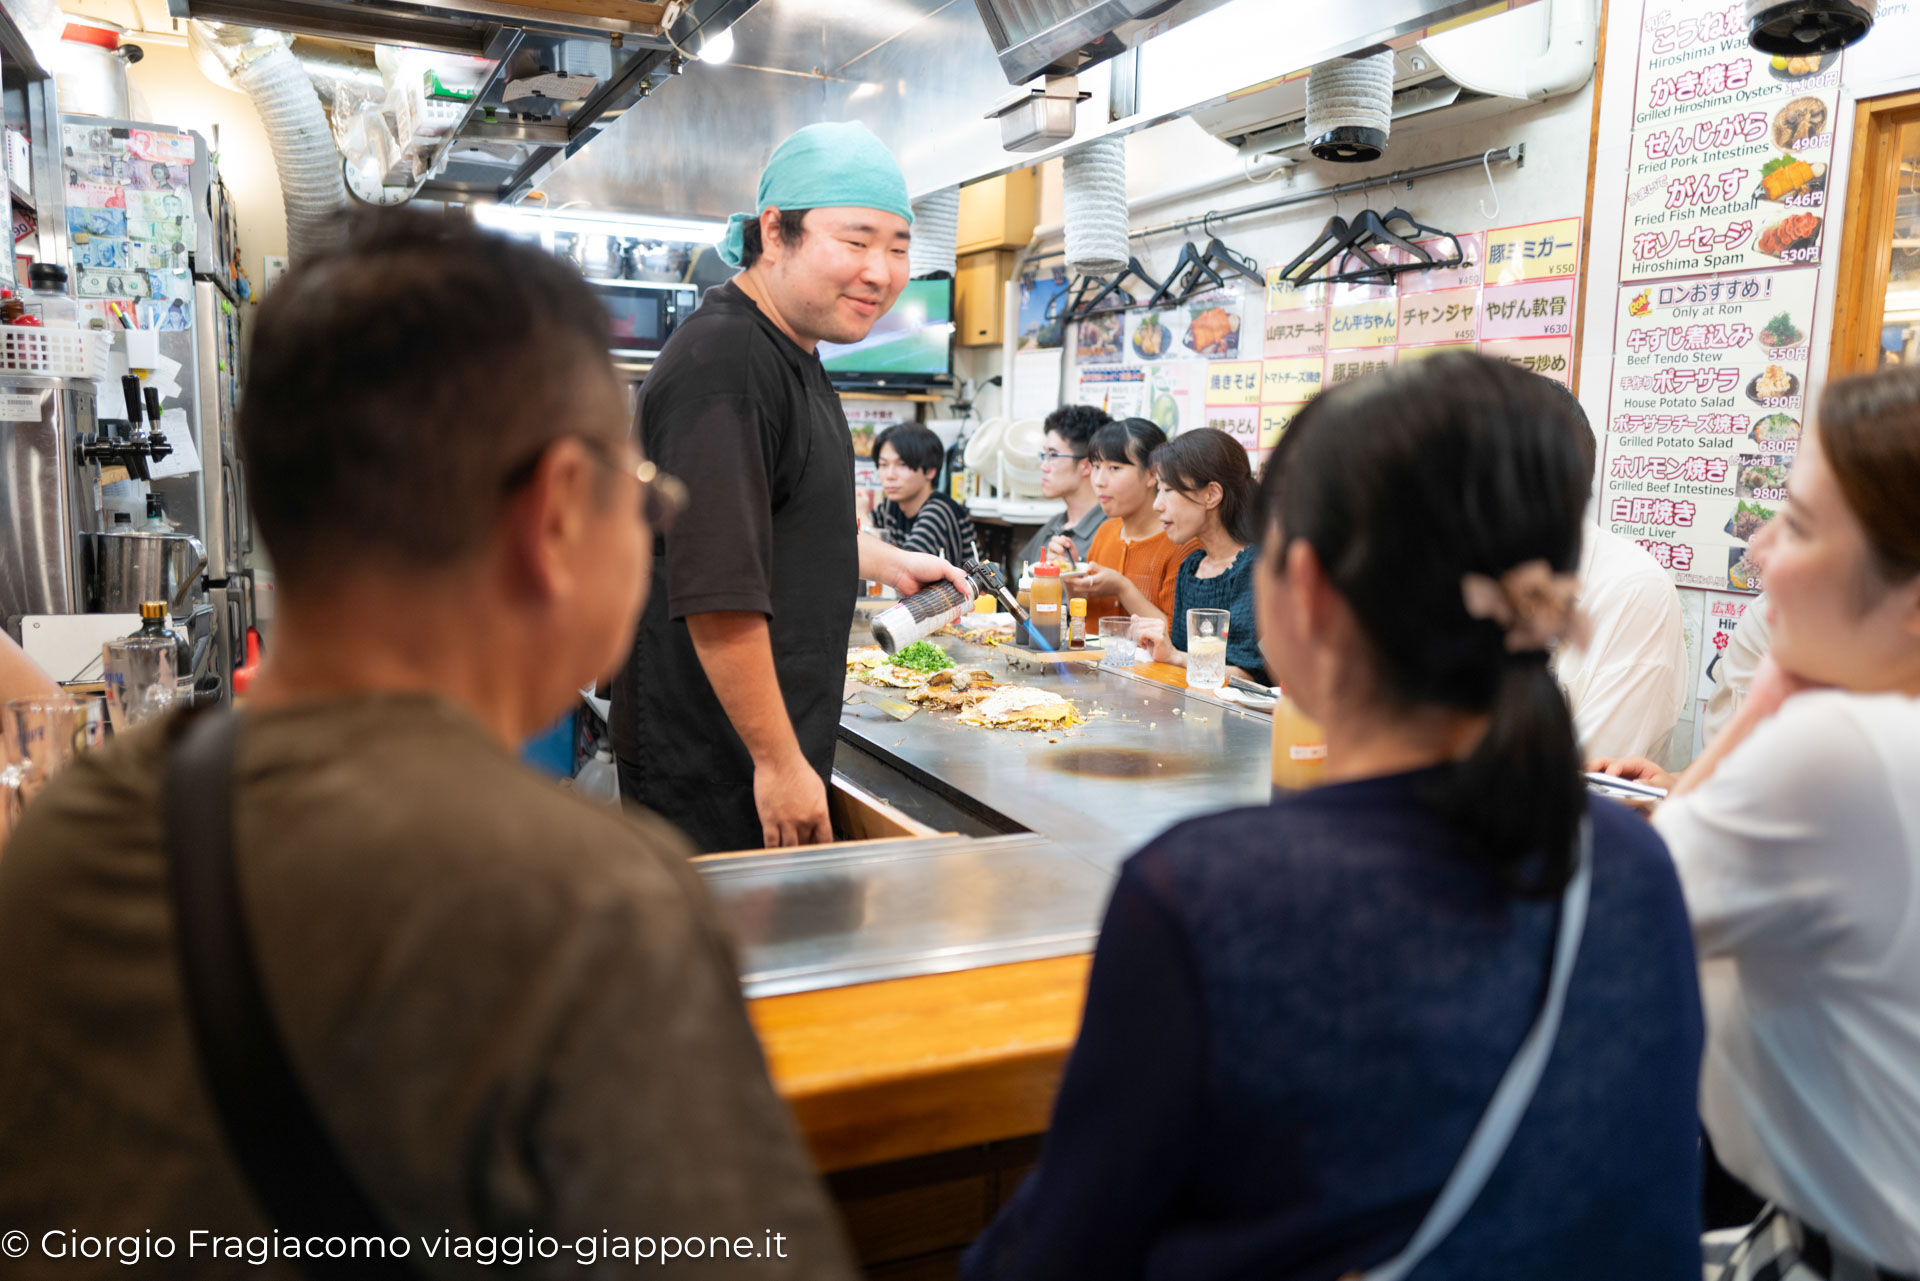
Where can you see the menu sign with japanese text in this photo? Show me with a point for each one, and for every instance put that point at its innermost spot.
(1537, 251)
(1730, 148)
(1708, 406)
(1508, 292)
(1724, 226)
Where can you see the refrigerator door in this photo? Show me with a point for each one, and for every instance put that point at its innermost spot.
(221, 485)
(43, 496)
(128, 191)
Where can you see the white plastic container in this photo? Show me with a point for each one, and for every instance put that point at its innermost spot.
(599, 780)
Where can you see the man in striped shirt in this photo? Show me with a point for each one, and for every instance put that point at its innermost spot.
(912, 515)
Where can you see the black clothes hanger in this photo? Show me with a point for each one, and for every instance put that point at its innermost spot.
(1217, 255)
(1084, 305)
(1334, 233)
(1397, 214)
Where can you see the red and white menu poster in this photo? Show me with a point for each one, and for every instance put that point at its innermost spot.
(1724, 227)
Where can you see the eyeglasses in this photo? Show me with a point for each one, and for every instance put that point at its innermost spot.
(662, 497)
(1048, 457)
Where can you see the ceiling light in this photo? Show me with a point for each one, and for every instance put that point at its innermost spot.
(717, 48)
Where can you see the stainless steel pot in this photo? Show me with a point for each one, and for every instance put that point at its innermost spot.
(124, 569)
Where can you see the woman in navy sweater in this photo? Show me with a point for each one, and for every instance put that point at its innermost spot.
(1298, 1012)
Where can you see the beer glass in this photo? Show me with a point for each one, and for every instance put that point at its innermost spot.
(1207, 649)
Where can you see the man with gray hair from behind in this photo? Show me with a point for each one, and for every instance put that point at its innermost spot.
(336, 974)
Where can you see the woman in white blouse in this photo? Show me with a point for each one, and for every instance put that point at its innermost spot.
(1797, 838)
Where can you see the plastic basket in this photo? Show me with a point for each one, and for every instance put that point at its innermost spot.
(54, 353)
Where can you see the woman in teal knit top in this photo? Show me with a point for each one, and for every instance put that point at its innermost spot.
(1206, 491)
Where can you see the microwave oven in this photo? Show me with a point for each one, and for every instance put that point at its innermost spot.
(643, 314)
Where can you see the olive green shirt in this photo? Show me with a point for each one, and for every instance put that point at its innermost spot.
(515, 1012)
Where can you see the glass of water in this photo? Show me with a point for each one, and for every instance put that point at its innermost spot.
(1207, 648)
(1116, 642)
(140, 675)
(43, 735)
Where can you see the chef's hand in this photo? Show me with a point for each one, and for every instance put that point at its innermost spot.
(1635, 769)
(1097, 581)
(793, 804)
(906, 572)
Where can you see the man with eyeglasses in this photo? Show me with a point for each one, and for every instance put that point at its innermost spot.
(1066, 474)
(726, 714)
(513, 1014)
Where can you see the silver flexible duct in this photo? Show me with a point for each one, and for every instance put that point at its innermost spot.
(1095, 178)
(311, 183)
(936, 230)
(1350, 108)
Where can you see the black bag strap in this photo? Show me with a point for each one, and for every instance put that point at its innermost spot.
(271, 1128)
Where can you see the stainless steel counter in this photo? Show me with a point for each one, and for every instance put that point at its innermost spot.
(1147, 757)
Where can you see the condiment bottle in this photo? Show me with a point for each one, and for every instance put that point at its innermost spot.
(1299, 749)
(1025, 593)
(11, 308)
(1045, 613)
(1077, 623)
(153, 623)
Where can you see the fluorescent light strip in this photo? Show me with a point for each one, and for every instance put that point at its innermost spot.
(518, 219)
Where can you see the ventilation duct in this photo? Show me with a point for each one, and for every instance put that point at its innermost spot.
(312, 183)
(1799, 28)
(1062, 37)
(1095, 178)
(1350, 108)
(936, 230)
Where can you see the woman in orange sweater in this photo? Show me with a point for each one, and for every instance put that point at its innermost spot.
(1133, 565)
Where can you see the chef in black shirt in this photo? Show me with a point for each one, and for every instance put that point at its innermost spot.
(725, 715)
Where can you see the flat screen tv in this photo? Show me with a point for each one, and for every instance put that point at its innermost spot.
(909, 347)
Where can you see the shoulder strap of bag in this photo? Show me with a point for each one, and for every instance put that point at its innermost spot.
(1515, 1091)
(281, 1145)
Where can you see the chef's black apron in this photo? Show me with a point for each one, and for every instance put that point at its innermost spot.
(753, 426)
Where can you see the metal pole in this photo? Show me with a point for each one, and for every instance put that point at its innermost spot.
(1515, 154)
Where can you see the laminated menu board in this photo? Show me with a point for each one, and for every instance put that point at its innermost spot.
(130, 220)
(1508, 293)
(1724, 228)
(1706, 412)
(1731, 148)
(1510, 296)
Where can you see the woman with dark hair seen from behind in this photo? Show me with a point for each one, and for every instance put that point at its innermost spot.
(1131, 562)
(1206, 494)
(1299, 1013)
(1797, 837)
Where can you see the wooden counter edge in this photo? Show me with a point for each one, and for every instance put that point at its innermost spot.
(884, 1071)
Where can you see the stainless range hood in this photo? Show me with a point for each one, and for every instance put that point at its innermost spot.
(507, 141)
(1063, 37)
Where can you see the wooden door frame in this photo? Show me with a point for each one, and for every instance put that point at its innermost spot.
(1866, 251)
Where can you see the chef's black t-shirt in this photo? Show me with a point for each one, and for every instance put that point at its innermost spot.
(751, 424)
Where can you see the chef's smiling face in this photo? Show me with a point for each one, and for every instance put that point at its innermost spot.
(841, 276)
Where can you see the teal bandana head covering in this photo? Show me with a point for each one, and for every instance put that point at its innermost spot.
(823, 166)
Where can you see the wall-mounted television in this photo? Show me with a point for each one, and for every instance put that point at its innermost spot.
(910, 347)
